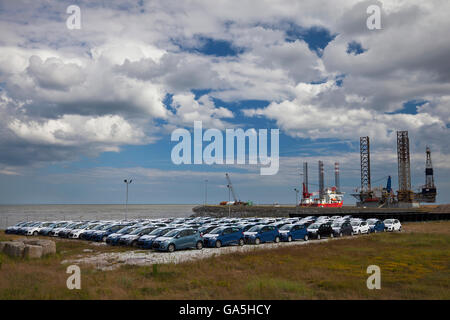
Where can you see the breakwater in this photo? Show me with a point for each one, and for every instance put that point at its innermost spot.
(403, 214)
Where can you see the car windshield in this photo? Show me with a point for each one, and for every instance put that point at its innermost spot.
(286, 227)
(216, 230)
(337, 224)
(255, 228)
(172, 233)
(71, 225)
(101, 227)
(92, 226)
(371, 222)
(126, 230)
(389, 221)
(314, 226)
(355, 223)
(136, 231)
(159, 231)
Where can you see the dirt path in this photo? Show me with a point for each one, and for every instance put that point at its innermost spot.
(113, 260)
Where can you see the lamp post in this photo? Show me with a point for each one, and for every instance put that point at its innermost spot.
(229, 200)
(127, 182)
(206, 191)
(296, 196)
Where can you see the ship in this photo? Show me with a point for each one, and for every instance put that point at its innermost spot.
(330, 198)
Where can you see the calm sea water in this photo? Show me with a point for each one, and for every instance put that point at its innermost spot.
(13, 214)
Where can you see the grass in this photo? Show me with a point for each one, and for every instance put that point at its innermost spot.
(415, 264)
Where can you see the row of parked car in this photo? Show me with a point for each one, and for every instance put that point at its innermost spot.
(181, 233)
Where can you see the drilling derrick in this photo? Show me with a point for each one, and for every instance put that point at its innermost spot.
(305, 178)
(336, 177)
(321, 181)
(404, 193)
(364, 147)
(428, 192)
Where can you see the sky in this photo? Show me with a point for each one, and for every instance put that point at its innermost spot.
(83, 109)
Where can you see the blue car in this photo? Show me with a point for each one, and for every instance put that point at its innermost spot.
(101, 235)
(290, 232)
(13, 229)
(375, 225)
(146, 241)
(262, 233)
(222, 236)
(113, 238)
(132, 238)
(178, 239)
(90, 231)
(206, 229)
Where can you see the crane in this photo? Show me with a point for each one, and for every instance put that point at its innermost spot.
(235, 196)
(230, 186)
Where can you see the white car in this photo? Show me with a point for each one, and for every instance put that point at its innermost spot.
(360, 227)
(392, 225)
(75, 233)
(34, 230)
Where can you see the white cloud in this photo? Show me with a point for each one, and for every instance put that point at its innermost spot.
(188, 110)
(58, 87)
(107, 131)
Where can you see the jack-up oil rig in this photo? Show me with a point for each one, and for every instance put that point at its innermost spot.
(384, 197)
(328, 197)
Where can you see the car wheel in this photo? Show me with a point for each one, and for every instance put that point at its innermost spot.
(332, 235)
(35, 233)
(340, 234)
(134, 244)
(104, 239)
(289, 239)
(241, 242)
(359, 231)
(318, 236)
(171, 247)
(218, 244)
(400, 229)
(306, 238)
(199, 245)
(375, 230)
(277, 239)
(257, 241)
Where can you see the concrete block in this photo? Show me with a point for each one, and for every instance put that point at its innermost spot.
(14, 249)
(48, 246)
(32, 252)
(2, 245)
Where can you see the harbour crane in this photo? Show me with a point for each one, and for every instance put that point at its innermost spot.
(230, 187)
(236, 199)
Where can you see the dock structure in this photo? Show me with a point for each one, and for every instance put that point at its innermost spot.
(403, 214)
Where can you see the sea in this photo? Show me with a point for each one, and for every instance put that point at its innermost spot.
(12, 214)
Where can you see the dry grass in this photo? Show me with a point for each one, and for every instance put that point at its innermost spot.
(414, 265)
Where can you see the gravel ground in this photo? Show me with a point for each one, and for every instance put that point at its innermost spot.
(113, 260)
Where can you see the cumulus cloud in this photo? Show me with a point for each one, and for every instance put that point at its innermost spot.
(116, 73)
(188, 110)
(309, 115)
(76, 130)
(54, 73)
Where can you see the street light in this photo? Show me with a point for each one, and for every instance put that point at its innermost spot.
(229, 200)
(296, 196)
(126, 203)
(206, 191)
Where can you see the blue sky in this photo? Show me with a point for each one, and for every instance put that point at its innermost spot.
(84, 109)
